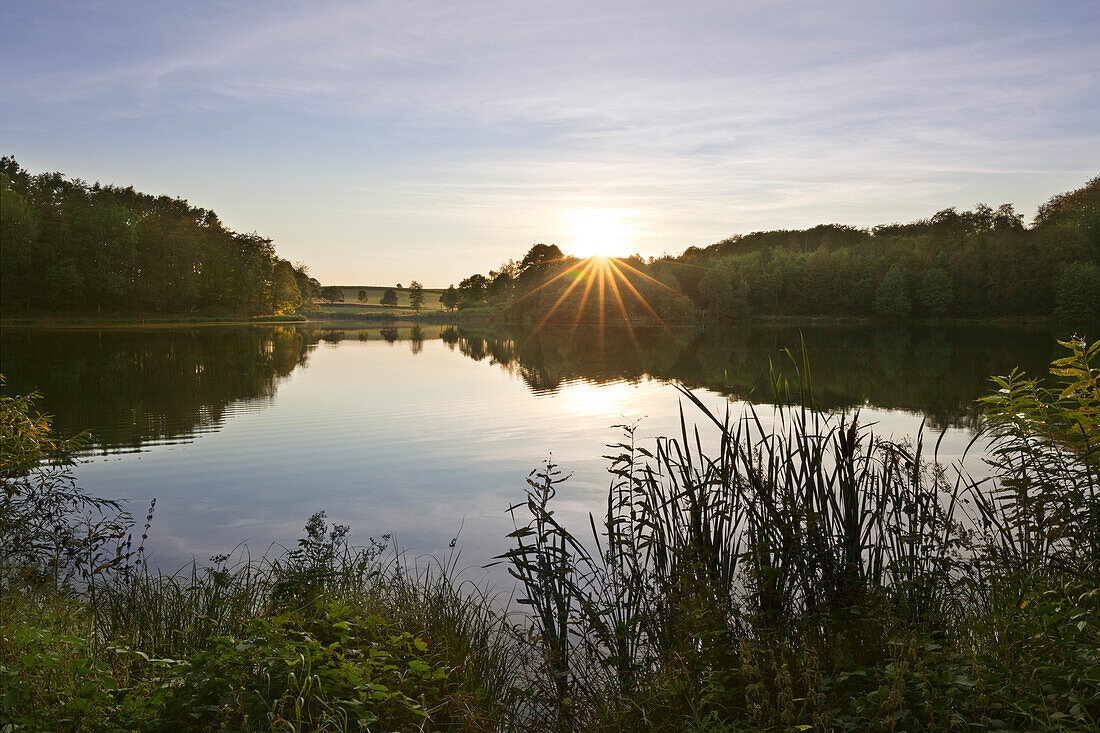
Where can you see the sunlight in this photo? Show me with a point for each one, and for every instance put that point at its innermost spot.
(606, 275)
(599, 232)
(592, 399)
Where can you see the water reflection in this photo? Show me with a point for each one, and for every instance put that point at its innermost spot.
(131, 387)
(934, 372)
(423, 430)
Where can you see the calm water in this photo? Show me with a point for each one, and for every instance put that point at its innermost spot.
(242, 432)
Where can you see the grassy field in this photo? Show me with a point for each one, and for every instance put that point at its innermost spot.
(375, 292)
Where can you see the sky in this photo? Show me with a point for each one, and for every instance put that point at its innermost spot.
(380, 142)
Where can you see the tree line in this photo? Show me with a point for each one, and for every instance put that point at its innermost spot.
(549, 285)
(957, 264)
(979, 263)
(71, 247)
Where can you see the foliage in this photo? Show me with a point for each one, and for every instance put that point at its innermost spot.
(416, 295)
(72, 247)
(1078, 294)
(449, 298)
(49, 528)
(982, 262)
(935, 292)
(332, 294)
(323, 637)
(389, 298)
(810, 576)
(892, 300)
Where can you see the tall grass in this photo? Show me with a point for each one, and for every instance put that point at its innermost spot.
(322, 636)
(802, 542)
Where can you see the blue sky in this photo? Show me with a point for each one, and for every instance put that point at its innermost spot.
(386, 141)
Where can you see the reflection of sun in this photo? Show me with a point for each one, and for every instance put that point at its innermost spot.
(595, 400)
(599, 232)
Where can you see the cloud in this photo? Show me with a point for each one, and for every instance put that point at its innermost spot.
(492, 118)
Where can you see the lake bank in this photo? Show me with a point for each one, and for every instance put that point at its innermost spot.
(486, 316)
(856, 603)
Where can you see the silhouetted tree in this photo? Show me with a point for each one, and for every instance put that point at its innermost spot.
(449, 298)
(333, 294)
(416, 295)
(472, 289)
(285, 294)
(389, 298)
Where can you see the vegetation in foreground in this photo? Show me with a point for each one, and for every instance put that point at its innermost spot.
(803, 575)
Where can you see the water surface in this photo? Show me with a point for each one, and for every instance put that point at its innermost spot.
(428, 433)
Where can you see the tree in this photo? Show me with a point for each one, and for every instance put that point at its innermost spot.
(389, 297)
(362, 296)
(308, 286)
(540, 254)
(1078, 295)
(935, 292)
(473, 288)
(449, 298)
(333, 294)
(285, 295)
(416, 295)
(892, 300)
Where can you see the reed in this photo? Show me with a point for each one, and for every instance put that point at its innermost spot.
(798, 541)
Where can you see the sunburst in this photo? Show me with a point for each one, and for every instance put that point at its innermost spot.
(615, 296)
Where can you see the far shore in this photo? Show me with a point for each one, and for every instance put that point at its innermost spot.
(480, 316)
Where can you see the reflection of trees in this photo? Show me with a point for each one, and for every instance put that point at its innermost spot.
(416, 339)
(131, 386)
(936, 372)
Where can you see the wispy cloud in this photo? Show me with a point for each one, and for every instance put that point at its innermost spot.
(486, 120)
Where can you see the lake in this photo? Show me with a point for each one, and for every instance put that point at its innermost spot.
(428, 433)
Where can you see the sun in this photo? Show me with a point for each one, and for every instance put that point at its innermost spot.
(597, 232)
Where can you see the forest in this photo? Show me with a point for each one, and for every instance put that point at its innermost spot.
(980, 263)
(73, 248)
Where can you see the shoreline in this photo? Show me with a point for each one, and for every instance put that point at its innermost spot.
(457, 318)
